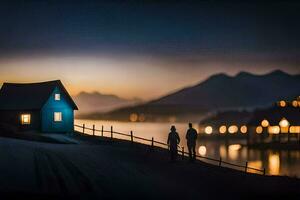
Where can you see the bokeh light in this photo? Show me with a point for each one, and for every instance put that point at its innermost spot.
(208, 130)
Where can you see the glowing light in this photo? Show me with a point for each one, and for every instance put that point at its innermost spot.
(295, 103)
(57, 116)
(208, 130)
(274, 129)
(244, 129)
(284, 123)
(202, 150)
(25, 119)
(233, 151)
(142, 117)
(223, 151)
(282, 103)
(294, 129)
(274, 164)
(133, 117)
(265, 123)
(233, 129)
(172, 119)
(235, 147)
(257, 164)
(259, 129)
(222, 129)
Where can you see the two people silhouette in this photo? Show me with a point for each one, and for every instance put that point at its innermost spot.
(174, 140)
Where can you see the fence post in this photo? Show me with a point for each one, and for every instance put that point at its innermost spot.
(83, 127)
(220, 162)
(246, 166)
(111, 132)
(93, 129)
(152, 142)
(264, 171)
(131, 136)
(102, 131)
(182, 153)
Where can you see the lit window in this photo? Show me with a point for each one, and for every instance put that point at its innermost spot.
(57, 116)
(25, 119)
(57, 97)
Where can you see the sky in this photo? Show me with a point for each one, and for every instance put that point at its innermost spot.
(145, 48)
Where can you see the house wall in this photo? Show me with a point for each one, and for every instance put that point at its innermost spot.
(47, 114)
(13, 118)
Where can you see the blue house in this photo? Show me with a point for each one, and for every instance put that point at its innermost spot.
(45, 106)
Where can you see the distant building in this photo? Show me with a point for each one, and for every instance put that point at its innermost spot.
(45, 106)
(283, 109)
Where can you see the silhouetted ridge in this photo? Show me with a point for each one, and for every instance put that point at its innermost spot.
(245, 90)
(221, 92)
(278, 73)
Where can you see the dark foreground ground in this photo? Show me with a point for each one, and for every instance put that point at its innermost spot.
(99, 169)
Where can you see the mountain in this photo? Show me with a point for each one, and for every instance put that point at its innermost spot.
(219, 92)
(244, 90)
(97, 102)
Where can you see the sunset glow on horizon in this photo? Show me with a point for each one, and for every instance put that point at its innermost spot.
(126, 77)
(123, 49)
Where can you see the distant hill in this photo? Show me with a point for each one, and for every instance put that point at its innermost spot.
(219, 92)
(244, 90)
(97, 102)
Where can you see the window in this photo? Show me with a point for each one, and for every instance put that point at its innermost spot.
(57, 97)
(57, 116)
(25, 119)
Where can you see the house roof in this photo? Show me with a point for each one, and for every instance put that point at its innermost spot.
(30, 96)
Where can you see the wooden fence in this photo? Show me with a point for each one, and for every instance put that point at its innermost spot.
(219, 162)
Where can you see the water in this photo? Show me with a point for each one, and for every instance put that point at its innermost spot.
(275, 162)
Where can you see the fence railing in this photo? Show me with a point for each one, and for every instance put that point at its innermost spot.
(152, 143)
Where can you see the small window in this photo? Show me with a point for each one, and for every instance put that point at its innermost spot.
(57, 97)
(57, 116)
(25, 119)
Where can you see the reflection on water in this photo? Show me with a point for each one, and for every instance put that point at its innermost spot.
(223, 151)
(275, 162)
(202, 150)
(233, 151)
(257, 164)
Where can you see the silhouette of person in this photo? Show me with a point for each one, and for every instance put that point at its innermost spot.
(191, 137)
(173, 141)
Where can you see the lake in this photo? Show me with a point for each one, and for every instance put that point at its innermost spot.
(275, 162)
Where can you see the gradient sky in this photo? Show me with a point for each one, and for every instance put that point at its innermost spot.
(144, 48)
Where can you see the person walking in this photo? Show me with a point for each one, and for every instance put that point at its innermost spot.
(173, 141)
(191, 137)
